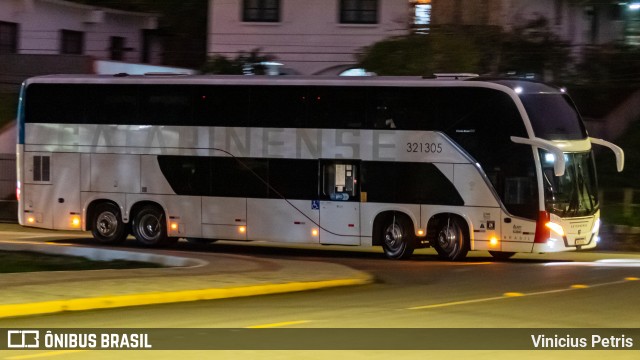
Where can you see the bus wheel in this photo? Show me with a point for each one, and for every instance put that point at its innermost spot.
(451, 241)
(501, 255)
(150, 227)
(398, 238)
(107, 226)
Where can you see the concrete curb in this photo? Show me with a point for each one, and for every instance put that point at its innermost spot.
(98, 254)
(154, 298)
(151, 298)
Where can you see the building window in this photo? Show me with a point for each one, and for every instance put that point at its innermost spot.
(261, 10)
(421, 15)
(358, 11)
(8, 37)
(631, 16)
(151, 47)
(117, 48)
(72, 42)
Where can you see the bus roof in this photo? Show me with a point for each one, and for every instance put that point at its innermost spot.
(519, 85)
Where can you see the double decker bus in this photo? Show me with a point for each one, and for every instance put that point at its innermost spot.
(503, 165)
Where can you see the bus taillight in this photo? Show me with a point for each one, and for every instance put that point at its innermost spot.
(543, 233)
(18, 190)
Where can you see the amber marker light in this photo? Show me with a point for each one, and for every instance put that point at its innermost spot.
(493, 241)
(242, 229)
(174, 226)
(314, 232)
(75, 221)
(420, 232)
(31, 220)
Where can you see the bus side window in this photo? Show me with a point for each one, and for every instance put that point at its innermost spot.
(383, 118)
(340, 181)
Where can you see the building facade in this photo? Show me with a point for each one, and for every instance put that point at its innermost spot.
(308, 36)
(321, 37)
(55, 27)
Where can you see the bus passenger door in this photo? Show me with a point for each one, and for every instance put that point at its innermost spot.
(65, 193)
(340, 202)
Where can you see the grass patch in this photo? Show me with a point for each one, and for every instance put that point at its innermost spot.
(26, 261)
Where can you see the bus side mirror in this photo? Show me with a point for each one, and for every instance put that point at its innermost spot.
(559, 163)
(617, 150)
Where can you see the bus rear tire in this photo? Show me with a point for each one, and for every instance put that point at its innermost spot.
(398, 239)
(107, 226)
(501, 255)
(451, 239)
(149, 227)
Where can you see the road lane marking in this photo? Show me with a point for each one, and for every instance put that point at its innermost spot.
(454, 303)
(599, 263)
(509, 295)
(579, 286)
(41, 355)
(631, 278)
(470, 263)
(279, 324)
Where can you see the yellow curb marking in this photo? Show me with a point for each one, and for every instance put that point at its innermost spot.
(46, 354)
(513, 294)
(280, 324)
(631, 278)
(107, 302)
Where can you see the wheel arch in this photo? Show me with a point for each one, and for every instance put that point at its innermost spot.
(434, 220)
(91, 208)
(381, 218)
(137, 206)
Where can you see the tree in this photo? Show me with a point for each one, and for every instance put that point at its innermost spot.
(531, 48)
(421, 54)
(535, 48)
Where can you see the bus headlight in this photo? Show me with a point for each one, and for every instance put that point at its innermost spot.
(596, 226)
(556, 228)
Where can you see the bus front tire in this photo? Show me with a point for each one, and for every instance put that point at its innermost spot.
(451, 242)
(398, 240)
(149, 227)
(107, 226)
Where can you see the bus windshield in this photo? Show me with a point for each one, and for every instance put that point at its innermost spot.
(553, 117)
(574, 193)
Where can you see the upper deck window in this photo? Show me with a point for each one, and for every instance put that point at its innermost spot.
(554, 117)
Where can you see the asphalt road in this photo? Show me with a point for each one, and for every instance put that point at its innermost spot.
(569, 290)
